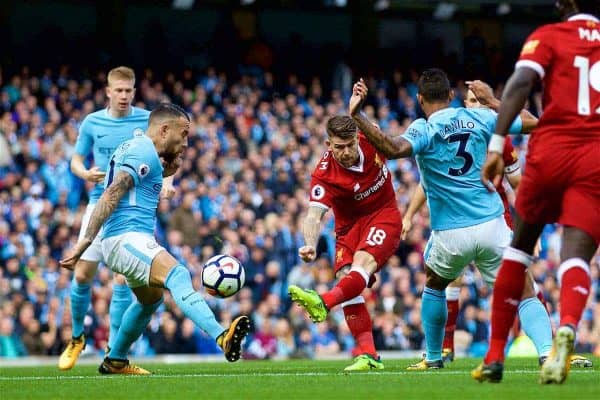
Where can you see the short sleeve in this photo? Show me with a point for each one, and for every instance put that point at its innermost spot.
(536, 53)
(138, 163)
(416, 134)
(491, 118)
(511, 159)
(85, 139)
(320, 194)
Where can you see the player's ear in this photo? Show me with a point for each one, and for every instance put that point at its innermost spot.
(420, 100)
(107, 91)
(451, 95)
(328, 143)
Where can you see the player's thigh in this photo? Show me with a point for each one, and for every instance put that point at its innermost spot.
(85, 271)
(448, 251)
(493, 237)
(344, 252)
(93, 253)
(380, 236)
(131, 254)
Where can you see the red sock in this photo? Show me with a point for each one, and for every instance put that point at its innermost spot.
(361, 327)
(347, 288)
(450, 324)
(508, 290)
(574, 280)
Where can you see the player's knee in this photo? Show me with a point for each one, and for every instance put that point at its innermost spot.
(84, 271)
(119, 279)
(366, 261)
(434, 281)
(577, 244)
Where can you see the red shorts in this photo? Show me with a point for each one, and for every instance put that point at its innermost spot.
(562, 184)
(378, 234)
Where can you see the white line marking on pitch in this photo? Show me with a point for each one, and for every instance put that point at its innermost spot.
(257, 374)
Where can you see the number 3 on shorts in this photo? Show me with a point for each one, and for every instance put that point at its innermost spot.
(376, 236)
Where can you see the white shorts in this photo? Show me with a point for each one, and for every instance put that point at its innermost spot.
(449, 251)
(94, 252)
(131, 254)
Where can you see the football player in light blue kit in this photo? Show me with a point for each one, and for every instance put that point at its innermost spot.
(467, 220)
(100, 134)
(127, 208)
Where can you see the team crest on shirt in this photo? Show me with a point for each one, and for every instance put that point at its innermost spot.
(138, 132)
(529, 47)
(143, 170)
(378, 161)
(339, 255)
(318, 192)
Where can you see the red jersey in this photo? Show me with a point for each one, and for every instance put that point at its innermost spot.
(566, 56)
(352, 192)
(511, 166)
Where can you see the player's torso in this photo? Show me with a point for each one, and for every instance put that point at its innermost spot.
(136, 211)
(572, 84)
(450, 170)
(360, 190)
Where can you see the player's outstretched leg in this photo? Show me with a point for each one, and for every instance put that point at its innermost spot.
(310, 301)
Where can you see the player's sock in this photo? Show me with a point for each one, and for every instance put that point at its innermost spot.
(452, 294)
(179, 283)
(119, 302)
(81, 294)
(574, 280)
(433, 314)
(347, 288)
(360, 325)
(136, 318)
(508, 290)
(536, 324)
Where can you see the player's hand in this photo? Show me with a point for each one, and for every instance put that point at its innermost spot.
(492, 171)
(406, 226)
(95, 175)
(74, 255)
(167, 192)
(359, 94)
(482, 91)
(170, 167)
(307, 253)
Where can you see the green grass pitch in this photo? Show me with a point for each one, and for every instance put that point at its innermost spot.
(294, 380)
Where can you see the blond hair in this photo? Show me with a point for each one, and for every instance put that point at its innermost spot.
(121, 73)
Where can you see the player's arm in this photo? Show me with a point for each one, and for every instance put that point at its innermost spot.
(391, 147)
(107, 203)
(83, 147)
(311, 229)
(414, 206)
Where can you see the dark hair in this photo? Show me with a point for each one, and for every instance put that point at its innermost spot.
(341, 126)
(167, 111)
(588, 6)
(434, 85)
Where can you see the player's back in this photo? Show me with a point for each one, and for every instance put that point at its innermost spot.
(566, 55)
(136, 211)
(101, 134)
(450, 159)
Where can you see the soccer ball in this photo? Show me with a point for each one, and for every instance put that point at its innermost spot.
(223, 276)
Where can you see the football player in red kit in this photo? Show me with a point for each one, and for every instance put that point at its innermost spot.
(561, 180)
(352, 179)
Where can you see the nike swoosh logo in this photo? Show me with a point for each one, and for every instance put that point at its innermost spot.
(101, 136)
(184, 298)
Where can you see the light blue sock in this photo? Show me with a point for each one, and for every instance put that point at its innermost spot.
(179, 283)
(81, 294)
(536, 324)
(136, 318)
(121, 299)
(434, 313)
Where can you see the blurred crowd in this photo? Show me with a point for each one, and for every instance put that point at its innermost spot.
(243, 191)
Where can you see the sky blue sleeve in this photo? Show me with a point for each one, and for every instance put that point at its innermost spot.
(416, 135)
(85, 139)
(137, 162)
(491, 118)
(516, 127)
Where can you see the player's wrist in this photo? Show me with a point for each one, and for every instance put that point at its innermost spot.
(496, 144)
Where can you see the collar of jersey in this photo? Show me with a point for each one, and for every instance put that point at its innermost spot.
(361, 162)
(111, 117)
(437, 112)
(583, 17)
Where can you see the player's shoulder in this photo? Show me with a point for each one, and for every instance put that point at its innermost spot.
(138, 112)
(94, 116)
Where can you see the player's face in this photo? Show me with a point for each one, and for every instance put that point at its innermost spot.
(120, 93)
(345, 151)
(176, 137)
(471, 101)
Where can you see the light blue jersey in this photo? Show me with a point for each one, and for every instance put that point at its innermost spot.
(451, 148)
(101, 134)
(136, 212)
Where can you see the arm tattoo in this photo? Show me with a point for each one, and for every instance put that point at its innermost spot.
(312, 225)
(392, 147)
(107, 203)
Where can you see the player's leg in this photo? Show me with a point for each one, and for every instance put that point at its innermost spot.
(134, 321)
(452, 295)
(534, 318)
(574, 280)
(119, 302)
(167, 272)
